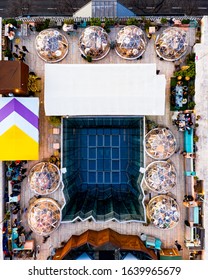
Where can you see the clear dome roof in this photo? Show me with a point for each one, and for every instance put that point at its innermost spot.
(130, 42)
(44, 178)
(160, 143)
(160, 176)
(94, 42)
(163, 212)
(44, 216)
(51, 45)
(172, 43)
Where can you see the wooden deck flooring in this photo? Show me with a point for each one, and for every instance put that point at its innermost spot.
(65, 230)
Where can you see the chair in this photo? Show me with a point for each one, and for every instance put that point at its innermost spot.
(153, 243)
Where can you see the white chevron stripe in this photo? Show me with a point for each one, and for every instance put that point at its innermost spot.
(4, 101)
(20, 122)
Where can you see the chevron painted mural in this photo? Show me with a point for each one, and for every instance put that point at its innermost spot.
(19, 134)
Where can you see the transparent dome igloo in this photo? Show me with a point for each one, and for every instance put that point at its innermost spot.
(94, 41)
(160, 143)
(171, 44)
(44, 178)
(160, 176)
(163, 212)
(51, 45)
(44, 216)
(130, 42)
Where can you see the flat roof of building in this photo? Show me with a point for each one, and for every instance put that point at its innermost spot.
(104, 90)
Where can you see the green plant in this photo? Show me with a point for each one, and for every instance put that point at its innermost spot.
(185, 21)
(89, 58)
(107, 29)
(6, 217)
(163, 20)
(55, 120)
(132, 21)
(191, 105)
(10, 20)
(173, 82)
(150, 124)
(109, 22)
(19, 22)
(147, 24)
(191, 90)
(190, 58)
(195, 138)
(190, 72)
(7, 53)
(95, 22)
(40, 26)
(69, 21)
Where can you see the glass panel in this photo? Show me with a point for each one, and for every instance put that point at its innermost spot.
(115, 164)
(100, 164)
(107, 153)
(115, 140)
(107, 177)
(100, 177)
(107, 165)
(115, 177)
(100, 140)
(92, 177)
(107, 140)
(115, 153)
(92, 140)
(92, 164)
(100, 153)
(92, 153)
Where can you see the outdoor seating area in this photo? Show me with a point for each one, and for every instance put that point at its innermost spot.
(51, 45)
(184, 121)
(131, 42)
(44, 216)
(160, 176)
(171, 44)
(160, 143)
(163, 212)
(44, 178)
(181, 93)
(94, 42)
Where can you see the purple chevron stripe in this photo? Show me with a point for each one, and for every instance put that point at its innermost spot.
(15, 106)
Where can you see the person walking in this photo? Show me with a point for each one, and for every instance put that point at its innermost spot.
(17, 48)
(15, 55)
(179, 247)
(25, 49)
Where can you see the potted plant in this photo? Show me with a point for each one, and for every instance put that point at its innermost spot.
(55, 120)
(164, 21)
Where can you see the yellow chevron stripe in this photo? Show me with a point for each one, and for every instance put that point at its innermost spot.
(15, 144)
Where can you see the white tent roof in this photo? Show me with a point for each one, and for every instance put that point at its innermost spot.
(103, 89)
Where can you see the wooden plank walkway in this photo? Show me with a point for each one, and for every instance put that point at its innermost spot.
(65, 231)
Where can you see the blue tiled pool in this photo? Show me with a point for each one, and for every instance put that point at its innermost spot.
(102, 157)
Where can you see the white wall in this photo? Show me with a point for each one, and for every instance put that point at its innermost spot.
(84, 12)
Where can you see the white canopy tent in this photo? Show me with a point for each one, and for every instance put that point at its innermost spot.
(103, 90)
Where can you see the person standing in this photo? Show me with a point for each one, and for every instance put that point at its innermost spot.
(179, 247)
